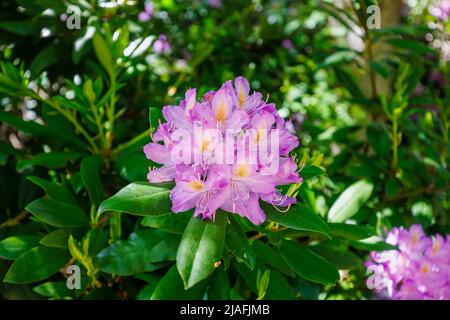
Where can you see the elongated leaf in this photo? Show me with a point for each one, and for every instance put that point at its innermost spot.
(58, 214)
(171, 288)
(220, 287)
(13, 247)
(350, 231)
(307, 264)
(103, 53)
(52, 160)
(36, 264)
(237, 243)
(299, 217)
(173, 223)
(53, 190)
(372, 244)
(53, 290)
(140, 199)
(200, 249)
(138, 253)
(271, 257)
(57, 238)
(42, 132)
(350, 201)
(90, 175)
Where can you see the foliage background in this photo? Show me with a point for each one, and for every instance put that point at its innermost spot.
(370, 108)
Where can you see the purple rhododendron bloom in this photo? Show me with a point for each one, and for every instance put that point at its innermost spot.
(419, 269)
(225, 170)
(162, 45)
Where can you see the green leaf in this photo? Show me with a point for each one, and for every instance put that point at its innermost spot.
(53, 290)
(39, 131)
(200, 249)
(90, 175)
(271, 257)
(58, 214)
(57, 238)
(140, 198)
(350, 231)
(138, 253)
(171, 288)
(45, 58)
(237, 243)
(372, 244)
(173, 223)
(220, 287)
(53, 190)
(13, 247)
(307, 264)
(103, 53)
(342, 258)
(298, 217)
(36, 264)
(310, 172)
(51, 160)
(350, 201)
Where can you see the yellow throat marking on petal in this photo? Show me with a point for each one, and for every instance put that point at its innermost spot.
(196, 185)
(205, 145)
(435, 248)
(415, 238)
(425, 268)
(242, 171)
(221, 112)
(241, 98)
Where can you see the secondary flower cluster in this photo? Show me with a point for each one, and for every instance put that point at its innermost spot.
(419, 269)
(203, 180)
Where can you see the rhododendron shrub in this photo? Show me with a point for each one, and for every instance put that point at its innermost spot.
(419, 269)
(245, 173)
(212, 149)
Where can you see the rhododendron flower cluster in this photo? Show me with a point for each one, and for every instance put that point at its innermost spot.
(214, 151)
(419, 269)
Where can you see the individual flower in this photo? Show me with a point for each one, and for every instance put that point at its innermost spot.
(418, 270)
(162, 45)
(147, 14)
(228, 150)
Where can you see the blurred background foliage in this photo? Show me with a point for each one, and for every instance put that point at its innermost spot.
(368, 105)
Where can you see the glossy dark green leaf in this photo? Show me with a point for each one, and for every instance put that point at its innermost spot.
(13, 247)
(171, 288)
(36, 264)
(307, 264)
(54, 290)
(200, 249)
(140, 198)
(271, 257)
(350, 201)
(298, 217)
(58, 214)
(237, 243)
(57, 238)
(219, 288)
(53, 190)
(173, 223)
(138, 253)
(309, 172)
(51, 160)
(341, 258)
(350, 231)
(90, 175)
